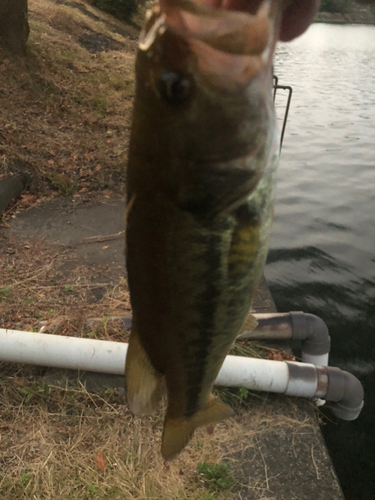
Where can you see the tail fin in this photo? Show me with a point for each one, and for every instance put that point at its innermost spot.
(143, 383)
(178, 431)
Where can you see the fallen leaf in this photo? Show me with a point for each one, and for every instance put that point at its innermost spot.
(279, 355)
(100, 462)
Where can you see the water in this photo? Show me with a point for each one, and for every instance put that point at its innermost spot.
(322, 249)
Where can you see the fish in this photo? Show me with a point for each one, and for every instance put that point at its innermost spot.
(201, 171)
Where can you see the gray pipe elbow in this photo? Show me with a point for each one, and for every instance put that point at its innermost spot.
(312, 331)
(345, 394)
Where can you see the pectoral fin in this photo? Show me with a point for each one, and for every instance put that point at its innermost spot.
(143, 383)
(178, 431)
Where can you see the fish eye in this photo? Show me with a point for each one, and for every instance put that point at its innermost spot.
(174, 88)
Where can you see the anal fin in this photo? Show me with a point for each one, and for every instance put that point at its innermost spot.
(248, 325)
(143, 383)
(178, 431)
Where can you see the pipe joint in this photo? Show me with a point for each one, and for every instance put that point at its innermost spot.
(345, 394)
(312, 331)
(302, 380)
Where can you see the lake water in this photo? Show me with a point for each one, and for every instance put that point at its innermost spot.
(322, 249)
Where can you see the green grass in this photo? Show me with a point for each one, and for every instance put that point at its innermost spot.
(217, 477)
(4, 292)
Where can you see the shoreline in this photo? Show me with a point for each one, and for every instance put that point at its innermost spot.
(353, 18)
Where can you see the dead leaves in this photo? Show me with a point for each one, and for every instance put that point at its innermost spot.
(279, 355)
(100, 462)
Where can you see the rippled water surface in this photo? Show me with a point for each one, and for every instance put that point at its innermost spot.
(322, 249)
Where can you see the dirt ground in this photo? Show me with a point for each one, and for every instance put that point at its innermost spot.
(66, 107)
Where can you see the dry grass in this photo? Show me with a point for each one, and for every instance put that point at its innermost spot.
(66, 109)
(66, 443)
(51, 438)
(35, 286)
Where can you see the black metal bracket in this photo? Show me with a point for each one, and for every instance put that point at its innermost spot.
(289, 89)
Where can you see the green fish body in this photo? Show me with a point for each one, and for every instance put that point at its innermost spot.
(200, 182)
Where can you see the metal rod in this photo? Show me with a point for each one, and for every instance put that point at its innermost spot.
(290, 92)
(277, 87)
(276, 83)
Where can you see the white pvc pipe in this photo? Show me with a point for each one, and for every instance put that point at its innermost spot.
(253, 373)
(286, 377)
(62, 352)
(316, 359)
(109, 357)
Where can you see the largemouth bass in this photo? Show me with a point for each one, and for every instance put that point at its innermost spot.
(200, 182)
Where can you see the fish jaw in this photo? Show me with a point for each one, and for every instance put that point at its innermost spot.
(230, 47)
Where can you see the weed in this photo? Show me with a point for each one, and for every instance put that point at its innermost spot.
(68, 288)
(30, 392)
(217, 477)
(243, 392)
(100, 103)
(25, 479)
(4, 292)
(239, 397)
(207, 496)
(65, 185)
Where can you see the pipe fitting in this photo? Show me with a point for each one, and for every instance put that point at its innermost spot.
(275, 326)
(345, 394)
(302, 380)
(343, 391)
(312, 331)
(308, 328)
